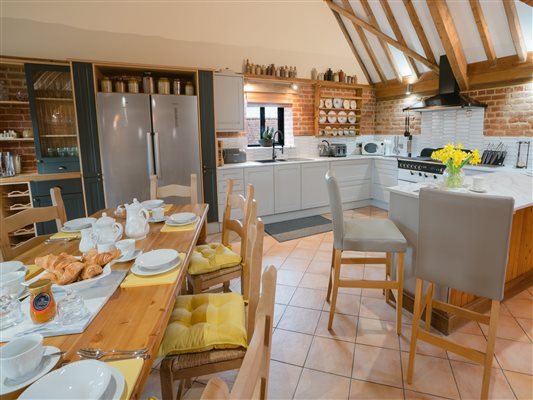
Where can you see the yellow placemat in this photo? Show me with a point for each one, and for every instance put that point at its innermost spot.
(66, 235)
(182, 228)
(166, 207)
(167, 278)
(33, 270)
(130, 370)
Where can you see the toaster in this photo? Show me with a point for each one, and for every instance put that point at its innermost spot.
(338, 150)
(234, 156)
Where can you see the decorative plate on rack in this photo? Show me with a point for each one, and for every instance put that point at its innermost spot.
(332, 117)
(342, 117)
(321, 103)
(327, 130)
(328, 103)
(353, 104)
(346, 103)
(351, 117)
(337, 103)
(322, 116)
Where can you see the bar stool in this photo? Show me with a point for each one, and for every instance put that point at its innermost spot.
(358, 234)
(463, 243)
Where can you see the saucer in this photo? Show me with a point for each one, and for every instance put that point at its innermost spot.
(46, 365)
(170, 222)
(478, 191)
(133, 256)
(140, 271)
(155, 221)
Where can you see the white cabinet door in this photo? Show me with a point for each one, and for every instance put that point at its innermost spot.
(287, 182)
(229, 102)
(237, 174)
(314, 190)
(263, 180)
(353, 178)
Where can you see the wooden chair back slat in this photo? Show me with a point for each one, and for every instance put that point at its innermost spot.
(57, 200)
(174, 190)
(237, 201)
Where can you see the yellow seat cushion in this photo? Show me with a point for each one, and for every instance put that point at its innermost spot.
(203, 322)
(212, 257)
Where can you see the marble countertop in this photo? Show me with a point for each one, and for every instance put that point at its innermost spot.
(515, 183)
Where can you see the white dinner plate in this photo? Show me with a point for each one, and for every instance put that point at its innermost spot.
(132, 256)
(46, 365)
(75, 225)
(76, 285)
(322, 117)
(116, 387)
(169, 222)
(157, 259)
(321, 103)
(182, 218)
(353, 104)
(151, 204)
(341, 117)
(346, 103)
(86, 379)
(328, 103)
(332, 117)
(337, 103)
(478, 191)
(140, 271)
(351, 117)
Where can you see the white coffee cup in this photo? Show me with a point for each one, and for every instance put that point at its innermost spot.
(158, 213)
(478, 183)
(105, 247)
(21, 356)
(126, 247)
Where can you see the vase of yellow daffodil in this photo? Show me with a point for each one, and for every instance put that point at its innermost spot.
(455, 158)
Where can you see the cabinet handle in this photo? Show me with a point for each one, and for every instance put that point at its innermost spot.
(61, 167)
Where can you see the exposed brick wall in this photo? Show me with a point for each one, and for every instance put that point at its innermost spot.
(303, 107)
(509, 111)
(390, 119)
(16, 117)
(368, 112)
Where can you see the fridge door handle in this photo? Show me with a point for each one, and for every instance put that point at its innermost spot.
(150, 151)
(157, 155)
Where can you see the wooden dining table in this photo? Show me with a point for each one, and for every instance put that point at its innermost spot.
(134, 317)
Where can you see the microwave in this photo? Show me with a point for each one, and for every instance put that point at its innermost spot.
(374, 148)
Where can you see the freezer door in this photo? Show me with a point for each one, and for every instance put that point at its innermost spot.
(177, 142)
(125, 146)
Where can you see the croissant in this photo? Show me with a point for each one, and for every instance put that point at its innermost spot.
(50, 275)
(90, 271)
(102, 258)
(71, 273)
(45, 262)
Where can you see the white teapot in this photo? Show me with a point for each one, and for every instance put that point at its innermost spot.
(136, 220)
(107, 230)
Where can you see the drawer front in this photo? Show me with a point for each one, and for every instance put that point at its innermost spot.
(391, 164)
(58, 167)
(263, 180)
(236, 213)
(314, 189)
(222, 180)
(349, 172)
(386, 179)
(355, 192)
(67, 186)
(380, 192)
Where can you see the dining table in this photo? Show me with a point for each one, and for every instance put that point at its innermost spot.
(133, 317)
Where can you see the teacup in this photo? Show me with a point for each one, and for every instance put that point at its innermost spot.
(105, 247)
(478, 183)
(11, 283)
(158, 213)
(21, 356)
(11, 266)
(126, 247)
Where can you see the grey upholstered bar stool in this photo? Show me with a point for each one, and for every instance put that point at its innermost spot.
(363, 234)
(463, 242)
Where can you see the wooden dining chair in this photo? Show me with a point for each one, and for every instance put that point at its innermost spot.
(57, 201)
(252, 380)
(463, 243)
(174, 190)
(183, 367)
(200, 282)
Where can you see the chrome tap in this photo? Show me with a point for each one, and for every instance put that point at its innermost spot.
(281, 141)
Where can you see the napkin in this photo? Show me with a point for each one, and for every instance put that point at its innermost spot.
(182, 228)
(33, 270)
(167, 278)
(66, 235)
(130, 370)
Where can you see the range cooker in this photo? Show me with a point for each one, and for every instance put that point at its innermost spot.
(420, 169)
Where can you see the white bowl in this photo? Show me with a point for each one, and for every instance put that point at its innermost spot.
(150, 204)
(157, 259)
(87, 379)
(11, 283)
(21, 355)
(183, 217)
(12, 266)
(78, 224)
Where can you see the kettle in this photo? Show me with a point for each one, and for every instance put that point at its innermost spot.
(136, 220)
(324, 149)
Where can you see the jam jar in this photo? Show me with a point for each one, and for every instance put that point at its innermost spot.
(42, 303)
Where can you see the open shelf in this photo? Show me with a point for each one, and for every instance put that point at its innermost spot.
(14, 102)
(58, 136)
(68, 99)
(16, 139)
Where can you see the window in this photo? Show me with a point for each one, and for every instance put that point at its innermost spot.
(263, 116)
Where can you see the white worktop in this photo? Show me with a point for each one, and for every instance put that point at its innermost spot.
(308, 160)
(509, 182)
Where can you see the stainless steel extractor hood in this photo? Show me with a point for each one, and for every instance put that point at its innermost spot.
(449, 96)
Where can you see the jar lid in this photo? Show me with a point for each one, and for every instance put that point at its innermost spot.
(104, 220)
(41, 283)
(163, 79)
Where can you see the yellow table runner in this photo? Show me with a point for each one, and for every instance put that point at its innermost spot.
(130, 370)
(33, 270)
(66, 235)
(166, 278)
(182, 228)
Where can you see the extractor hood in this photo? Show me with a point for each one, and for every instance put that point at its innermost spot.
(449, 96)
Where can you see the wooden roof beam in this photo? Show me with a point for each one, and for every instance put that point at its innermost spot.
(398, 33)
(516, 30)
(528, 2)
(386, 49)
(370, 28)
(352, 46)
(450, 40)
(483, 31)
(413, 16)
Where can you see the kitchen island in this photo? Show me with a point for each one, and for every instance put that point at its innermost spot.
(404, 212)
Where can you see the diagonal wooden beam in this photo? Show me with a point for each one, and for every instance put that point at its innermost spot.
(366, 44)
(386, 49)
(528, 2)
(450, 40)
(352, 46)
(398, 33)
(413, 16)
(516, 30)
(483, 30)
(370, 28)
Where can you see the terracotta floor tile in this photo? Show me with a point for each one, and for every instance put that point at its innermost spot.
(373, 391)
(476, 342)
(527, 326)
(344, 327)
(305, 254)
(355, 272)
(290, 347)
(410, 395)
(515, 356)
(288, 277)
(295, 264)
(314, 281)
(279, 309)
(470, 376)
(333, 356)
(378, 365)
(325, 246)
(284, 294)
(308, 298)
(283, 380)
(328, 237)
(278, 251)
(522, 384)
(374, 273)
(350, 291)
(322, 255)
(227, 376)
(301, 320)
(525, 294)
(509, 328)
(377, 309)
(319, 267)
(421, 346)
(520, 307)
(320, 385)
(346, 304)
(470, 327)
(375, 293)
(273, 260)
(309, 243)
(377, 333)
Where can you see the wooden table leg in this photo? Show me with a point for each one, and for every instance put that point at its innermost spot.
(203, 234)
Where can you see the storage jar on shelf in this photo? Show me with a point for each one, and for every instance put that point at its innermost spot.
(189, 88)
(106, 85)
(133, 85)
(163, 86)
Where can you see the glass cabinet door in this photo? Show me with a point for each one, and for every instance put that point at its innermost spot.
(53, 116)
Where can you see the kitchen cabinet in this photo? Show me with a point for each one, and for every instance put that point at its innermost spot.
(287, 182)
(314, 190)
(385, 175)
(53, 118)
(353, 177)
(237, 174)
(72, 194)
(229, 102)
(263, 180)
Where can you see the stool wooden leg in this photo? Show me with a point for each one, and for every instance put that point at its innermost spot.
(336, 276)
(399, 296)
(414, 330)
(387, 276)
(429, 305)
(328, 296)
(168, 390)
(489, 354)
(225, 287)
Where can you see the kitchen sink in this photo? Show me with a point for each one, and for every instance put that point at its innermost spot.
(284, 160)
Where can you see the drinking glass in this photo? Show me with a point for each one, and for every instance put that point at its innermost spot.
(10, 312)
(71, 308)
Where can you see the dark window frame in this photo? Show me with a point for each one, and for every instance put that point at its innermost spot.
(262, 124)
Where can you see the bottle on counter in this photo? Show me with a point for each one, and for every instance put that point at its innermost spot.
(314, 74)
(247, 67)
(295, 72)
(42, 304)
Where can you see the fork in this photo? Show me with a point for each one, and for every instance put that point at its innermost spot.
(96, 354)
